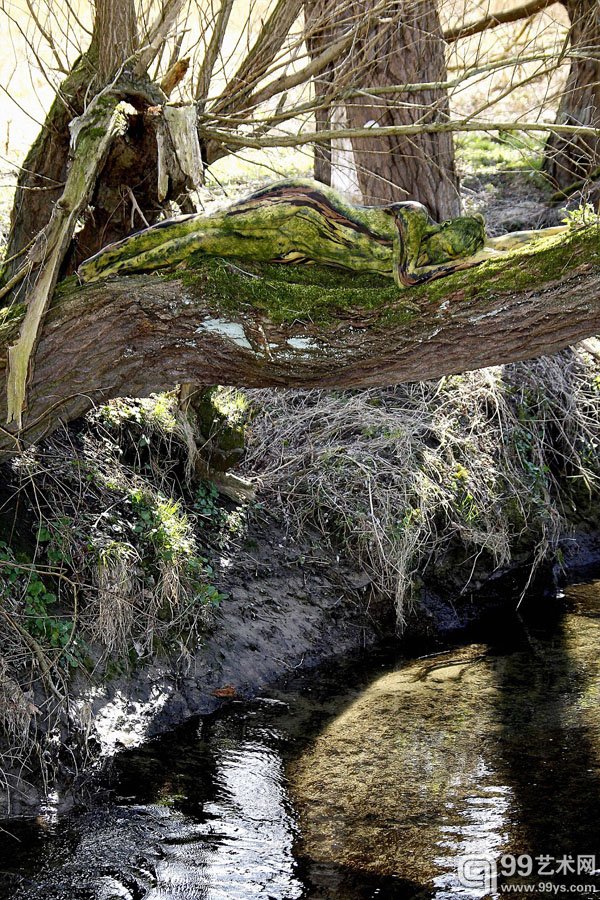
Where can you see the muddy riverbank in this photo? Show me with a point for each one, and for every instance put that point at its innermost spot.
(289, 608)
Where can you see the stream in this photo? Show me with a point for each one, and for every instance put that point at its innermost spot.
(470, 772)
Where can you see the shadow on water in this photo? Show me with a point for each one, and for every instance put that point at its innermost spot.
(548, 710)
(485, 750)
(362, 781)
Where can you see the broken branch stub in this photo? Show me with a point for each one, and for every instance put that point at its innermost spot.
(178, 148)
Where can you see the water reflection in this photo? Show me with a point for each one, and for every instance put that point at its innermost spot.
(243, 846)
(493, 749)
(404, 781)
(205, 817)
(478, 830)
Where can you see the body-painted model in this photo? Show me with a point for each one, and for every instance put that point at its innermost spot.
(301, 221)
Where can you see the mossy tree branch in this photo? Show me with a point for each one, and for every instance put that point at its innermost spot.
(221, 322)
(92, 135)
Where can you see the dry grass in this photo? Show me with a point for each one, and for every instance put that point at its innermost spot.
(398, 479)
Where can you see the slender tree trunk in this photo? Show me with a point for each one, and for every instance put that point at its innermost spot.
(320, 33)
(576, 157)
(404, 45)
(115, 35)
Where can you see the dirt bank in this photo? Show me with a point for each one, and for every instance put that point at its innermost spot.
(288, 607)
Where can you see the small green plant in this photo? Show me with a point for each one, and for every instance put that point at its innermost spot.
(162, 523)
(205, 500)
(157, 413)
(232, 404)
(168, 534)
(466, 502)
(581, 217)
(201, 573)
(20, 580)
(58, 537)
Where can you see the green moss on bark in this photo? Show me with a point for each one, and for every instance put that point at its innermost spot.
(323, 295)
(287, 294)
(320, 295)
(10, 319)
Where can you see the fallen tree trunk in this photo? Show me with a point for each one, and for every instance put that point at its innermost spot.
(239, 324)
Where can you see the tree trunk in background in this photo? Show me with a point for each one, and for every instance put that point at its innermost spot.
(400, 44)
(115, 35)
(403, 45)
(320, 32)
(573, 158)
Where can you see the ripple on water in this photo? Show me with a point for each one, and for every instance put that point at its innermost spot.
(244, 848)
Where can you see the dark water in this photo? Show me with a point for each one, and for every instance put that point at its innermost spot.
(372, 779)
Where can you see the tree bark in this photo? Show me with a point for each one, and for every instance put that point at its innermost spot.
(399, 44)
(220, 325)
(115, 36)
(577, 157)
(92, 137)
(404, 46)
(129, 174)
(44, 171)
(42, 176)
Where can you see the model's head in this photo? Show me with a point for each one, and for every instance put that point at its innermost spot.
(455, 239)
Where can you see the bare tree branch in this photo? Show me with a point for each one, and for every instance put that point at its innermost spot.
(174, 76)
(342, 93)
(232, 139)
(60, 63)
(257, 61)
(314, 68)
(212, 53)
(157, 35)
(504, 17)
